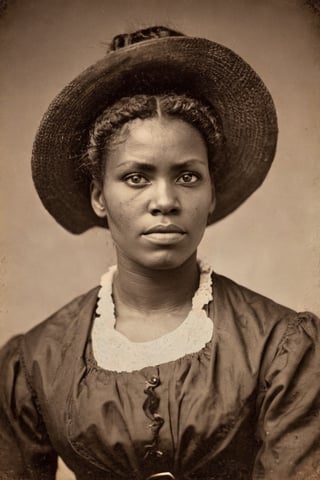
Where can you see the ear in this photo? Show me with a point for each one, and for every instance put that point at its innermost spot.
(98, 201)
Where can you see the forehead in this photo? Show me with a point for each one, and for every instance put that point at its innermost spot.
(157, 139)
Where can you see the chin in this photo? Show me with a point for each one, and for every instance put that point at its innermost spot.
(165, 260)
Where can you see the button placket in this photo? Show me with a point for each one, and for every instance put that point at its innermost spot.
(150, 407)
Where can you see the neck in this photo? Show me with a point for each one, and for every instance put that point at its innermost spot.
(148, 290)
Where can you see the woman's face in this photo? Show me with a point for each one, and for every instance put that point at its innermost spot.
(157, 192)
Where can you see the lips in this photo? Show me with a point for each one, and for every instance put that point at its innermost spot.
(162, 228)
(164, 236)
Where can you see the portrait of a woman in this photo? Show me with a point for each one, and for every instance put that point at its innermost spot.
(167, 369)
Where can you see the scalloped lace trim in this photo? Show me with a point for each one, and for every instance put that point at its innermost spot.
(114, 351)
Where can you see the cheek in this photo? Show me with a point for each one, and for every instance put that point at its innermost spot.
(200, 207)
(120, 215)
(123, 206)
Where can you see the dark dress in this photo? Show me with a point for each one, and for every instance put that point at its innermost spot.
(246, 406)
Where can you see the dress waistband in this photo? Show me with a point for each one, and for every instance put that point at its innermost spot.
(162, 476)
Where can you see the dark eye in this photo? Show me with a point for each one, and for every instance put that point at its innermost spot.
(188, 178)
(135, 179)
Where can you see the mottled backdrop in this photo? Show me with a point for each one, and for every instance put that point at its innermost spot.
(271, 244)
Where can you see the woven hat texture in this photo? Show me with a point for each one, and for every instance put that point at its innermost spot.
(198, 67)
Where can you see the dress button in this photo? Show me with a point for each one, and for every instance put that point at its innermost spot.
(154, 381)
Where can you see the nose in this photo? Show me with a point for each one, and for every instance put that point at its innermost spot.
(164, 199)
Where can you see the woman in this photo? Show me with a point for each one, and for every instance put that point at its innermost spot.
(166, 371)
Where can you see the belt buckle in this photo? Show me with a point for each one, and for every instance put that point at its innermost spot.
(161, 476)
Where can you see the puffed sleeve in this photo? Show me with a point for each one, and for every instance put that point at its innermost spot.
(25, 449)
(289, 406)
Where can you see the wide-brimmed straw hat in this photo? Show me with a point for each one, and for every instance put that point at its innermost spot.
(196, 66)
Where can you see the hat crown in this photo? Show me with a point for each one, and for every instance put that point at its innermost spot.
(142, 35)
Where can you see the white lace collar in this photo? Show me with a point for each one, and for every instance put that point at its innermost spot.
(113, 351)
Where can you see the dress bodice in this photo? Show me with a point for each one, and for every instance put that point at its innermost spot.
(242, 407)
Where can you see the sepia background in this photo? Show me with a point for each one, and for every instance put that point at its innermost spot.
(270, 244)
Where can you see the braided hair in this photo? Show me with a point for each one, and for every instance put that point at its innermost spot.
(108, 126)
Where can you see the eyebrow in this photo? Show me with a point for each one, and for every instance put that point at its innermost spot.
(137, 165)
(152, 167)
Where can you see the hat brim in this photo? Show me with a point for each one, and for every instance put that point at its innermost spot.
(195, 66)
